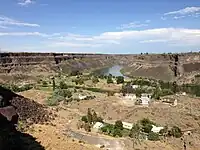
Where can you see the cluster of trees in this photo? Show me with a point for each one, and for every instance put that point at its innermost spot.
(114, 130)
(109, 79)
(127, 88)
(143, 82)
(120, 79)
(145, 126)
(90, 119)
(58, 96)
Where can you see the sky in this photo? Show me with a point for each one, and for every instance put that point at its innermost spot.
(100, 26)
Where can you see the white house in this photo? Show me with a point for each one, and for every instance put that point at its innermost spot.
(127, 125)
(156, 129)
(81, 97)
(130, 96)
(98, 125)
(145, 99)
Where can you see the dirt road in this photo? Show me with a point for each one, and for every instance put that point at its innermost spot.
(110, 144)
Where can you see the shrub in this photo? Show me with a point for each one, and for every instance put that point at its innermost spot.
(146, 121)
(135, 131)
(104, 129)
(119, 125)
(120, 79)
(62, 85)
(63, 93)
(166, 92)
(117, 132)
(109, 80)
(153, 136)
(175, 131)
(147, 128)
(44, 83)
(87, 127)
(84, 119)
(95, 80)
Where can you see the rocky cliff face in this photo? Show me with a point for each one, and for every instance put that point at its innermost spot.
(12, 62)
(40, 63)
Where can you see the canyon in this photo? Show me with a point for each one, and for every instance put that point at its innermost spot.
(168, 67)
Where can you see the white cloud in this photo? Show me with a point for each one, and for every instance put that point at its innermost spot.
(23, 34)
(135, 24)
(154, 41)
(182, 13)
(167, 36)
(159, 35)
(179, 17)
(185, 11)
(25, 2)
(5, 21)
(68, 44)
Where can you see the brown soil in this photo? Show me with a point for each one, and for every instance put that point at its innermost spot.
(191, 67)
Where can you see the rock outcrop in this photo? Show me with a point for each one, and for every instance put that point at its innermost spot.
(10, 138)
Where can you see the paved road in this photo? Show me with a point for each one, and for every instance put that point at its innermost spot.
(110, 144)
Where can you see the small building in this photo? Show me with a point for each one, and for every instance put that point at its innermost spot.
(145, 100)
(156, 129)
(130, 96)
(98, 125)
(82, 97)
(127, 125)
(135, 86)
(175, 102)
(184, 93)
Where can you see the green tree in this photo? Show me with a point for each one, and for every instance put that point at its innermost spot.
(109, 80)
(94, 117)
(135, 131)
(119, 125)
(54, 100)
(117, 132)
(62, 85)
(175, 131)
(84, 119)
(89, 116)
(120, 79)
(54, 84)
(62, 92)
(153, 136)
(147, 128)
(135, 134)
